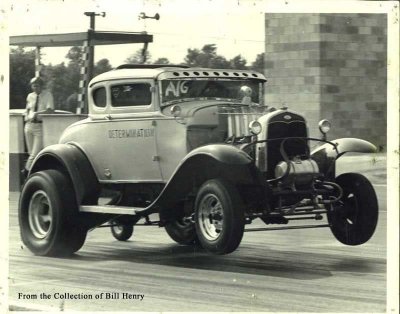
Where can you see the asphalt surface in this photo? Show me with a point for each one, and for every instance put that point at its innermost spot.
(277, 271)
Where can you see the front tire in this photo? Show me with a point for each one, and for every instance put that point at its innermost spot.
(354, 218)
(48, 215)
(219, 216)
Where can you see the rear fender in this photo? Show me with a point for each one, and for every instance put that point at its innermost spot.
(326, 154)
(207, 162)
(71, 160)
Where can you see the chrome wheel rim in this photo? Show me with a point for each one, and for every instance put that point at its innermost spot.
(40, 215)
(118, 229)
(210, 217)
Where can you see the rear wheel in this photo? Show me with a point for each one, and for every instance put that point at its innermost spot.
(219, 216)
(48, 215)
(182, 231)
(354, 218)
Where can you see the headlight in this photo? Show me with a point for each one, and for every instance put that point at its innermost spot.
(324, 126)
(176, 111)
(255, 127)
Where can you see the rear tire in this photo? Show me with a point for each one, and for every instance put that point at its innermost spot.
(182, 232)
(48, 215)
(353, 219)
(219, 216)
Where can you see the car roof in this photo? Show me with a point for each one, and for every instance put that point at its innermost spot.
(175, 72)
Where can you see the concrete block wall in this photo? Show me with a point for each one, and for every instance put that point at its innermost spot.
(292, 44)
(353, 73)
(329, 66)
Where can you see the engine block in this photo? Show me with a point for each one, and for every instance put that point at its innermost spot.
(297, 173)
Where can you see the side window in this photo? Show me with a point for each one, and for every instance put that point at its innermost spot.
(134, 94)
(100, 97)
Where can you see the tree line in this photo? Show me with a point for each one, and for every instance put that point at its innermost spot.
(63, 79)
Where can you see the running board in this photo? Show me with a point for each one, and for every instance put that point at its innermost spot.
(110, 209)
(285, 228)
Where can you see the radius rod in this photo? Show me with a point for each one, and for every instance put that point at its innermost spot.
(285, 228)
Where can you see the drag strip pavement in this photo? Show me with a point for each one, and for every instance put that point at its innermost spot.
(281, 271)
(296, 270)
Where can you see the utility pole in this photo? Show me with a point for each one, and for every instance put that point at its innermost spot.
(91, 30)
(88, 63)
(143, 16)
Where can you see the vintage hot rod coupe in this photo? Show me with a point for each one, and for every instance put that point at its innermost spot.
(199, 148)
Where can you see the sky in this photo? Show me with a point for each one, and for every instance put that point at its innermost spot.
(236, 27)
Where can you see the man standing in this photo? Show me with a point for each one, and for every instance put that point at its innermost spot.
(37, 102)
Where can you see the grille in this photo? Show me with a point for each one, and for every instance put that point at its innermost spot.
(278, 127)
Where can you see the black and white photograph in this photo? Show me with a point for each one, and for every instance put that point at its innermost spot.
(200, 156)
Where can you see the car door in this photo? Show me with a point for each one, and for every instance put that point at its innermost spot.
(130, 133)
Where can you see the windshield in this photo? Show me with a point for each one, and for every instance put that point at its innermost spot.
(189, 89)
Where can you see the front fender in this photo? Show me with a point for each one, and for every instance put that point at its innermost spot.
(224, 153)
(72, 161)
(345, 145)
(207, 162)
(326, 154)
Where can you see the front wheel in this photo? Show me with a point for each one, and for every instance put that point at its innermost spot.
(48, 215)
(353, 219)
(219, 216)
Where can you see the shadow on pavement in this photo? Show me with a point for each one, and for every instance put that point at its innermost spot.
(284, 264)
